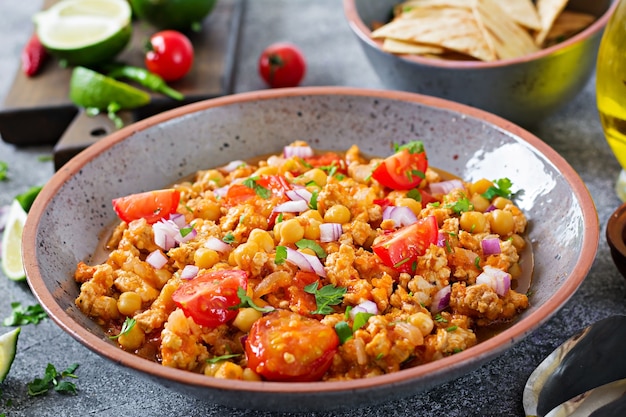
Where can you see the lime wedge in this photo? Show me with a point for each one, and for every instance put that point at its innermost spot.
(85, 32)
(90, 89)
(8, 347)
(173, 14)
(12, 265)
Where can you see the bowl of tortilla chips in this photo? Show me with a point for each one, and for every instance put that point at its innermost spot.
(520, 59)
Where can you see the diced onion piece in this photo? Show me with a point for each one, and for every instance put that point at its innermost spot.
(221, 192)
(189, 236)
(441, 239)
(217, 245)
(490, 208)
(233, 165)
(164, 233)
(306, 262)
(291, 151)
(491, 246)
(178, 219)
(441, 300)
(299, 194)
(297, 206)
(401, 216)
(497, 279)
(156, 259)
(444, 187)
(366, 306)
(330, 232)
(189, 272)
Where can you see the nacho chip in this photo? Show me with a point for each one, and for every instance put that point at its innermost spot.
(567, 25)
(411, 6)
(523, 12)
(396, 46)
(508, 39)
(548, 11)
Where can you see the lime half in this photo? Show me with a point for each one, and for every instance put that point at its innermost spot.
(12, 265)
(173, 14)
(85, 32)
(8, 347)
(90, 89)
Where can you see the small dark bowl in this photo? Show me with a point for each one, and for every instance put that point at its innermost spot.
(616, 238)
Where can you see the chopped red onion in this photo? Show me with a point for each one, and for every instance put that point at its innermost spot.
(189, 236)
(491, 246)
(156, 259)
(178, 219)
(444, 187)
(167, 232)
(330, 232)
(299, 194)
(366, 306)
(401, 216)
(221, 192)
(233, 165)
(306, 262)
(497, 279)
(441, 300)
(297, 206)
(189, 272)
(441, 239)
(217, 244)
(297, 151)
(490, 208)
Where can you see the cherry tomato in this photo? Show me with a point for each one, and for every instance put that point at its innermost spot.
(282, 65)
(170, 55)
(208, 298)
(285, 346)
(403, 170)
(151, 205)
(327, 160)
(239, 193)
(401, 248)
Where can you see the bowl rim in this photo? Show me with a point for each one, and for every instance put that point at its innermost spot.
(364, 33)
(451, 365)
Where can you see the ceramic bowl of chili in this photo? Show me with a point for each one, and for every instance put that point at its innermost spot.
(525, 90)
(66, 222)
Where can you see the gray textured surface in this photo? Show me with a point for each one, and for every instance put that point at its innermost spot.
(334, 59)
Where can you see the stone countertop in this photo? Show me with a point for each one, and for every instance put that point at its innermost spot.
(334, 58)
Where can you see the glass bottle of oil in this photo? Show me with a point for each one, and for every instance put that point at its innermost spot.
(611, 89)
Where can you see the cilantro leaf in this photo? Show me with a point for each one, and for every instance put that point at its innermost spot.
(327, 296)
(461, 206)
(217, 359)
(228, 238)
(415, 195)
(248, 302)
(53, 379)
(128, 324)
(501, 188)
(21, 316)
(261, 191)
(313, 245)
(415, 146)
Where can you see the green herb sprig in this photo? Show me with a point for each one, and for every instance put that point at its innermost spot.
(20, 316)
(327, 296)
(55, 380)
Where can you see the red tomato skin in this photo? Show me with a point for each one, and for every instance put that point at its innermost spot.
(401, 248)
(150, 205)
(170, 55)
(394, 171)
(285, 346)
(208, 298)
(281, 65)
(239, 193)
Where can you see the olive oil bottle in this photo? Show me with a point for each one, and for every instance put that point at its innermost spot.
(611, 89)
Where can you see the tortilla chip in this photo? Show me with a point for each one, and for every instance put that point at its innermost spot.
(523, 12)
(567, 25)
(548, 11)
(396, 46)
(508, 39)
(408, 7)
(454, 29)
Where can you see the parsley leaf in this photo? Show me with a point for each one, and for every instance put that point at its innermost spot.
(415, 146)
(247, 302)
(501, 187)
(258, 189)
(461, 206)
(217, 359)
(313, 245)
(327, 296)
(228, 238)
(128, 324)
(53, 379)
(21, 316)
(415, 195)
(281, 255)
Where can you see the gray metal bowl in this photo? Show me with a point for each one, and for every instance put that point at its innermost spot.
(69, 216)
(524, 90)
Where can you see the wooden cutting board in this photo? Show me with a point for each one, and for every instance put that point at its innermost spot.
(37, 110)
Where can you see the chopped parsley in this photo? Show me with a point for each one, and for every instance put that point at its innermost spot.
(415, 195)
(228, 238)
(327, 296)
(21, 316)
(53, 379)
(313, 245)
(501, 188)
(128, 324)
(217, 359)
(261, 191)
(247, 302)
(461, 206)
(415, 146)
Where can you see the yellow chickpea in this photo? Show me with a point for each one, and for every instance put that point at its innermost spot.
(480, 203)
(501, 222)
(243, 254)
(245, 318)
(473, 222)
(515, 270)
(128, 303)
(501, 202)
(250, 375)
(315, 175)
(423, 322)
(205, 258)
(291, 231)
(480, 186)
(133, 338)
(337, 214)
(266, 170)
(312, 229)
(414, 205)
(313, 214)
(229, 370)
(263, 240)
(518, 242)
(208, 210)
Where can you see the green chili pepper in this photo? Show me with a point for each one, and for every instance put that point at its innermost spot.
(145, 78)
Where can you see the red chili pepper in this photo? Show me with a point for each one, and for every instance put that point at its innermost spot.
(33, 56)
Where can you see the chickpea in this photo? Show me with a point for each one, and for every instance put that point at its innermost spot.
(291, 231)
(205, 258)
(480, 186)
(250, 375)
(501, 222)
(518, 242)
(133, 338)
(480, 203)
(312, 230)
(501, 202)
(423, 322)
(243, 254)
(245, 318)
(337, 214)
(473, 222)
(208, 210)
(266, 170)
(128, 303)
(229, 370)
(515, 270)
(414, 205)
(315, 175)
(313, 214)
(263, 240)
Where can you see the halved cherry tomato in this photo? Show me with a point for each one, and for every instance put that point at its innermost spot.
(282, 64)
(150, 205)
(403, 170)
(285, 346)
(170, 55)
(326, 160)
(401, 248)
(208, 298)
(240, 193)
